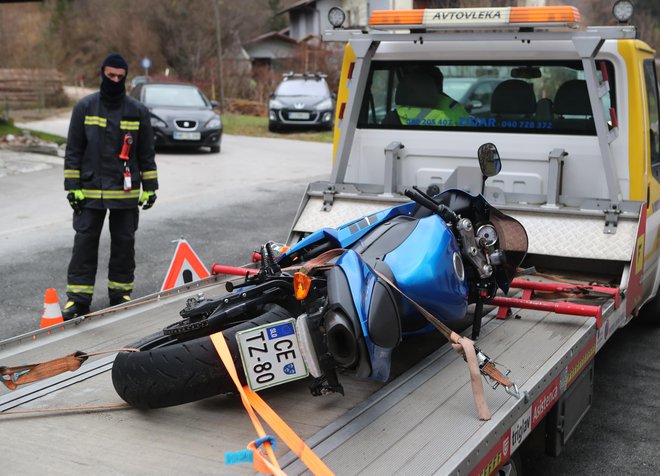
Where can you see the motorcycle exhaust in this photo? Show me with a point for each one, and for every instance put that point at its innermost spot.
(341, 339)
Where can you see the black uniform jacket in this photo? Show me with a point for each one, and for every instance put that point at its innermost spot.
(96, 136)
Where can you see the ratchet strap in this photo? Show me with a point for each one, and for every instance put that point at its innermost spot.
(461, 344)
(12, 377)
(264, 460)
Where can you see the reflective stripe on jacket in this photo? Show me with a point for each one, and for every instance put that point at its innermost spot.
(95, 140)
(447, 112)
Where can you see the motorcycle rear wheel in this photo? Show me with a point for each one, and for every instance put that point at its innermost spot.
(168, 372)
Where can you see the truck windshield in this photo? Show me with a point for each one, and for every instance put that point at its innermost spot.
(521, 97)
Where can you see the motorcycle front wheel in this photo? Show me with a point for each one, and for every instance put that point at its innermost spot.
(168, 372)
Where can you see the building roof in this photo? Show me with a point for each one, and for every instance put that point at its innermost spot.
(296, 6)
(272, 35)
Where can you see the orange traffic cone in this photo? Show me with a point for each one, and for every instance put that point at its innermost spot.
(52, 313)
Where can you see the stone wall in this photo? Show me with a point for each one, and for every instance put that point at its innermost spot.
(30, 88)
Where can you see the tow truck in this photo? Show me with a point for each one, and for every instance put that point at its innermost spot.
(574, 113)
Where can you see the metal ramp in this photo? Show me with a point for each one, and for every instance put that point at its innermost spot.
(425, 421)
(186, 439)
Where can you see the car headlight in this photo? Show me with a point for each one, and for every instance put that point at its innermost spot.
(155, 122)
(275, 104)
(325, 104)
(214, 123)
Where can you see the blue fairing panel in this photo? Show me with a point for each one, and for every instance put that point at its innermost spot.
(424, 271)
(347, 234)
(324, 234)
(361, 280)
(353, 231)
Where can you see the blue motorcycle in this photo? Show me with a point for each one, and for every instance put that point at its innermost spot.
(339, 300)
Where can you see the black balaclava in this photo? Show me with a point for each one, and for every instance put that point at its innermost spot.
(111, 91)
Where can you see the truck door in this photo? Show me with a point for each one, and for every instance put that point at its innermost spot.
(652, 153)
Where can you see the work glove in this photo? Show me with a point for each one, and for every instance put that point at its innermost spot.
(76, 199)
(147, 199)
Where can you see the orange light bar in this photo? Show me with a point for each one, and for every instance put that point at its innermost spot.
(301, 285)
(544, 15)
(475, 17)
(397, 17)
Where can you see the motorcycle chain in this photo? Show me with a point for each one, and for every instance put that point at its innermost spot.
(184, 327)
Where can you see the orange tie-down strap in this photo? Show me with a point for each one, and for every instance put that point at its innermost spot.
(265, 461)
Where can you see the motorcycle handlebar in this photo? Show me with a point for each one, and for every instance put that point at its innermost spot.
(424, 200)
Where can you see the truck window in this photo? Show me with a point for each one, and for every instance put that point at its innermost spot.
(521, 97)
(654, 113)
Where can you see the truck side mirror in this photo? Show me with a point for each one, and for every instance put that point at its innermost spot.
(489, 162)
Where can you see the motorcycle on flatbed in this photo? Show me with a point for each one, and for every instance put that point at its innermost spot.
(339, 300)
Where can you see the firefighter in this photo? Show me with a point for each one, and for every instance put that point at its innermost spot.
(109, 157)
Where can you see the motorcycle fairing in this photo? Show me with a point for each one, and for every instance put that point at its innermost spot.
(347, 234)
(361, 281)
(424, 271)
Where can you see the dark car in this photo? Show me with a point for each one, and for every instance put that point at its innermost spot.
(181, 115)
(301, 100)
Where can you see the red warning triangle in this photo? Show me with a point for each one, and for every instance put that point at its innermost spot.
(184, 268)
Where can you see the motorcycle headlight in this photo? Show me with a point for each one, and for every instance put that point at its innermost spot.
(325, 104)
(275, 104)
(214, 123)
(155, 122)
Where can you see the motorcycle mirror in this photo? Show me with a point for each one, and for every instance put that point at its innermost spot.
(489, 160)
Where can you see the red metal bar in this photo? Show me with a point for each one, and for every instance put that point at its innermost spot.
(567, 288)
(234, 270)
(558, 307)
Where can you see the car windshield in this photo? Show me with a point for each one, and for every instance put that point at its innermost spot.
(547, 97)
(302, 87)
(175, 96)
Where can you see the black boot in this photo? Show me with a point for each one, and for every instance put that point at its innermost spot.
(74, 309)
(122, 299)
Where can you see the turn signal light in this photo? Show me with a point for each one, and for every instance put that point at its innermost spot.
(301, 285)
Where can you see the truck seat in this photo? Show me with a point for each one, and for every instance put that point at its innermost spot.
(544, 110)
(513, 99)
(573, 107)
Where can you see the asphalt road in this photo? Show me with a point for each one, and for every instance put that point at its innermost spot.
(228, 204)
(225, 205)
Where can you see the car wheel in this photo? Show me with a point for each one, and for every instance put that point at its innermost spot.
(272, 127)
(215, 149)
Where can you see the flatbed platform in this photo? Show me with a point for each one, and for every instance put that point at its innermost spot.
(422, 422)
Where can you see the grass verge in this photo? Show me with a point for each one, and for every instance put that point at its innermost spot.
(233, 124)
(8, 128)
(254, 126)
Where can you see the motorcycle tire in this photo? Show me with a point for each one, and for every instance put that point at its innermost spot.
(174, 372)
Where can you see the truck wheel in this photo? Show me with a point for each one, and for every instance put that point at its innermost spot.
(167, 372)
(650, 312)
(513, 467)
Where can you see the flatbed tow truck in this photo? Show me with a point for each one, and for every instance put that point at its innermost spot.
(583, 181)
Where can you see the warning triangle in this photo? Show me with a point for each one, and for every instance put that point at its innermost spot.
(184, 268)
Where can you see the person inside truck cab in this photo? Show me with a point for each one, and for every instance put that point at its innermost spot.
(421, 101)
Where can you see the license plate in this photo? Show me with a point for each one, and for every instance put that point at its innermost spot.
(299, 115)
(271, 355)
(187, 135)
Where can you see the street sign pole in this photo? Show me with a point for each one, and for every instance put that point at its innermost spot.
(146, 64)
